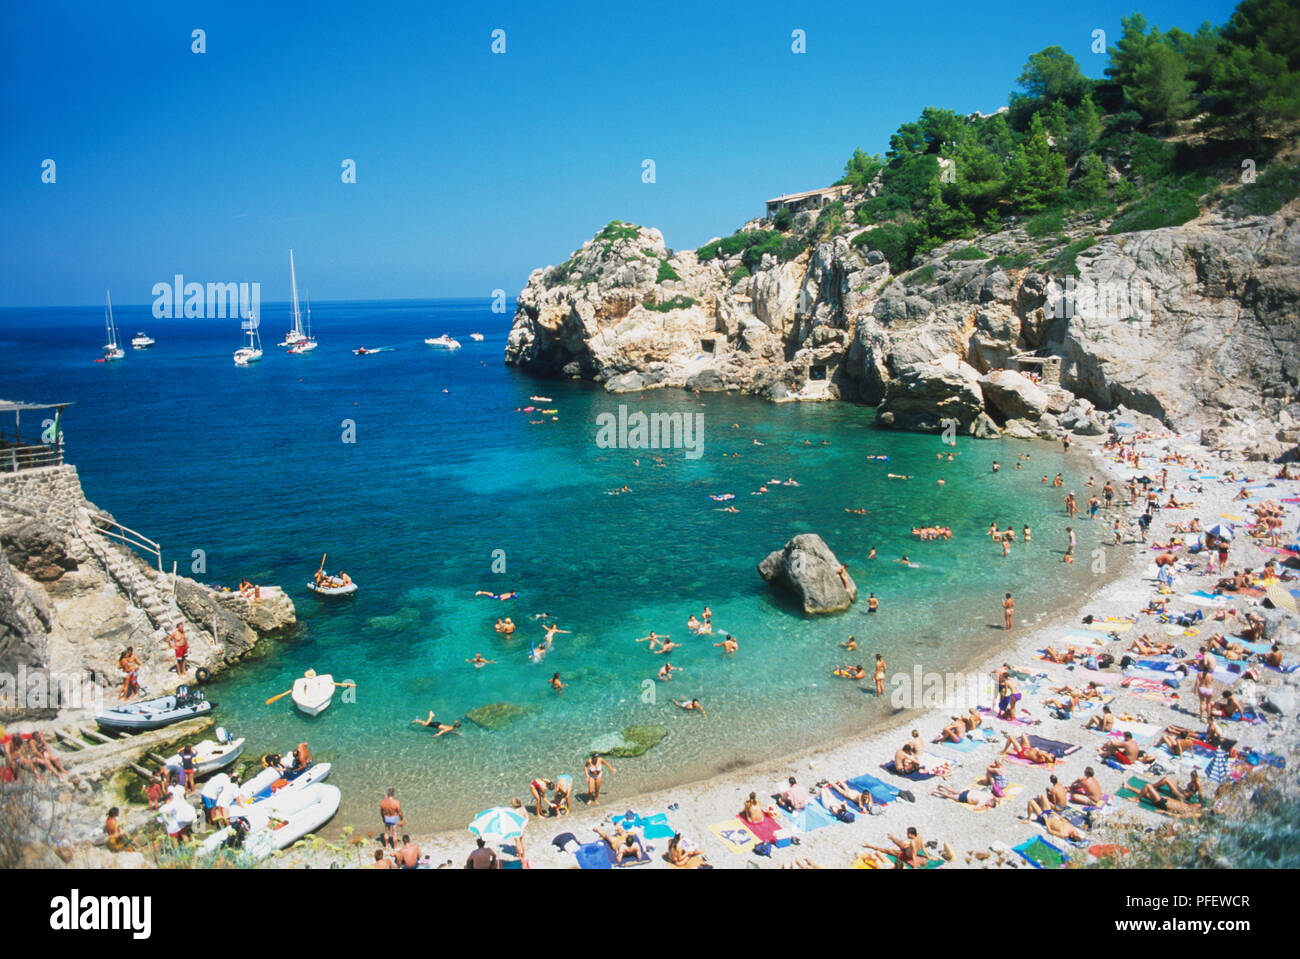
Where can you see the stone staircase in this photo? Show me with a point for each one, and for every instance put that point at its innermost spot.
(150, 591)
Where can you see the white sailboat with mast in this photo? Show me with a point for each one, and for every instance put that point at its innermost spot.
(296, 335)
(112, 351)
(250, 352)
(308, 342)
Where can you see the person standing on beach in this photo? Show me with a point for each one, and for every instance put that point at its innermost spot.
(390, 810)
(879, 676)
(180, 646)
(1009, 609)
(1069, 550)
(595, 768)
(1070, 506)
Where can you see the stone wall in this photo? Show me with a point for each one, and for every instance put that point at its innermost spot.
(52, 492)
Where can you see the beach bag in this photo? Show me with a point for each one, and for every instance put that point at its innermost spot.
(1106, 660)
(997, 790)
(845, 815)
(763, 849)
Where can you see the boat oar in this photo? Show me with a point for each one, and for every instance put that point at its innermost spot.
(281, 696)
(344, 685)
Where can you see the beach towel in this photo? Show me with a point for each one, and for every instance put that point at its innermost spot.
(880, 791)
(927, 862)
(966, 745)
(931, 765)
(1132, 792)
(595, 855)
(1057, 748)
(652, 827)
(1107, 850)
(765, 830)
(1009, 791)
(735, 836)
(1041, 854)
(1080, 638)
(814, 816)
(1104, 626)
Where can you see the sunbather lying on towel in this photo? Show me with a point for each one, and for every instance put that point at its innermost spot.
(979, 798)
(1126, 750)
(1022, 749)
(1067, 655)
(626, 845)
(1060, 827)
(1189, 792)
(1146, 646)
(834, 804)
(1172, 806)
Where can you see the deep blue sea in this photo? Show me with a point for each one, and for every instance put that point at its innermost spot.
(250, 465)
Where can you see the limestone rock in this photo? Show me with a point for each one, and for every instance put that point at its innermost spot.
(923, 395)
(808, 569)
(1013, 395)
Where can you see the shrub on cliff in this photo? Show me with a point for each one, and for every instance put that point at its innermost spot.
(1273, 189)
(1166, 205)
(752, 245)
(666, 272)
(674, 303)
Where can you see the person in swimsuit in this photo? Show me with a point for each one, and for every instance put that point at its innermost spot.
(1103, 722)
(408, 857)
(595, 768)
(1053, 799)
(390, 810)
(129, 664)
(753, 810)
(1029, 753)
(1191, 791)
(1086, 791)
(728, 645)
(873, 604)
(562, 802)
(556, 684)
(180, 646)
(692, 706)
(879, 675)
(624, 845)
(1008, 609)
(905, 761)
(479, 661)
(538, 787)
(979, 798)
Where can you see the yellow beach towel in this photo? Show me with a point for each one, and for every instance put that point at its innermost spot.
(734, 836)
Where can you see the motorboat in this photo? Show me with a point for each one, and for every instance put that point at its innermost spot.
(142, 341)
(274, 780)
(277, 824)
(476, 337)
(155, 713)
(443, 342)
(312, 693)
(211, 755)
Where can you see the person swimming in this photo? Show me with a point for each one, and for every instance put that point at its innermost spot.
(509, 594)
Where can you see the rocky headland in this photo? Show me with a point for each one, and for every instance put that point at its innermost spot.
(1194, 326)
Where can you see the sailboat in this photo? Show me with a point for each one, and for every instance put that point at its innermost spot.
(295, 335)
(252, 352)
(308, 342)
(111, 350)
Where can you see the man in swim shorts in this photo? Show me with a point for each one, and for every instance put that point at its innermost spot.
(390, 810)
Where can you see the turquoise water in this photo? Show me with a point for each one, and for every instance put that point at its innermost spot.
(249, 465)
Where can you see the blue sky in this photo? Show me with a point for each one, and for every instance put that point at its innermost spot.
(472, 168)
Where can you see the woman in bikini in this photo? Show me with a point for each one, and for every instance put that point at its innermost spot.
(595, 768)
(1204, 688)
(879, 675)
(753, 811)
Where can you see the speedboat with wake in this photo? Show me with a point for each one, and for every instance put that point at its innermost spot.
(155, 713)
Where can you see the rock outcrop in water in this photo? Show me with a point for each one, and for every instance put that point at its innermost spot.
(1193, 325)
(808, 569)
(72, 599)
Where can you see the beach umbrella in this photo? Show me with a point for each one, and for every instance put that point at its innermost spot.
(1218, 768)
(1221, 531)
(498, 824)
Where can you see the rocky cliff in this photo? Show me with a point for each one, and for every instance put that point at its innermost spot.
(72, 599)
(1195, 326)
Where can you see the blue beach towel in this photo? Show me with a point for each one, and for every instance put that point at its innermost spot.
(595, 855)
(814, 816)
(880, 791)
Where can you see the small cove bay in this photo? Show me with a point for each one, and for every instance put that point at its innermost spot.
(447, 480)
